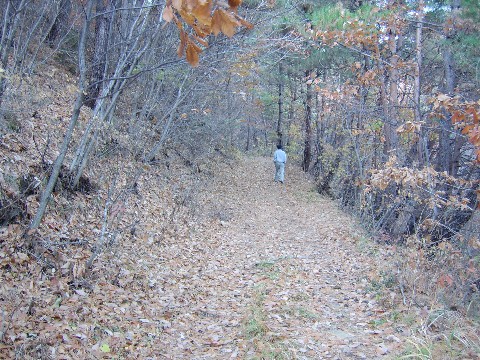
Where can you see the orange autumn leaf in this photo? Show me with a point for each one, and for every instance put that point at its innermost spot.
(192, 54)
(228, 23)
(195, 46)
(202, 13)
(188, 17)
(202, 31)
(234, 4)
(457, 116)
(216, 21)
(183, 42)
(197, 14)
(467, 129)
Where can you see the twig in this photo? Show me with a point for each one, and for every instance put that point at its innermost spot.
(5, 324)
(47, 145)
(101, 240)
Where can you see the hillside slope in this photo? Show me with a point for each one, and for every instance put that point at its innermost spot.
(250, 268)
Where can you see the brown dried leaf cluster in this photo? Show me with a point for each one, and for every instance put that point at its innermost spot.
(204, 17)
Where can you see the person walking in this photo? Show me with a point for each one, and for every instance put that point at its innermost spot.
(280, 159)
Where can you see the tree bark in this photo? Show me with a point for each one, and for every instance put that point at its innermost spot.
(444, 156)
(417, 80)
(387, 126)
(307, 150)
(99, 55)
(73, 121)
(446, 129)
(280, 105)
(392, 135)
(9, 28)
(319, 128)
(60, 24)
(291, 109)
(247, 145)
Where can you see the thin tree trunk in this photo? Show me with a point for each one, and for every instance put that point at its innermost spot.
(247, 145)
(73, 121)
(166, 129)
(23, 42)
(99, 55)
(318, 123)
(417, 80)
(445, 131)
(444, 156)
(60, 24)
(110, 92)
(319, 128)
(265, 131)
(387, 126)
(307, 150)
(280, 104)
(9, 28)
(393, 96)
(291, 109)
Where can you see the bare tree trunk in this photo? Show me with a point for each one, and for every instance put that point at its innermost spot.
(417, 80)
(265, 131)
(60, 24)
(111, 89)
(388, 129)
(9, 28)
(444, 156)
(247, 145)
(319, 104)
(73, 121)
(100, 54)
(307, 150)
(319, 128)
(280, 104)
(458, 143)
(171, 116)
(291, 109)
(393, 96)
(445, 130)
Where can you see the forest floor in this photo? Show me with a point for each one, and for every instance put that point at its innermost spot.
(225, 264)
(234, 267)
(286, 275)
(206, 261)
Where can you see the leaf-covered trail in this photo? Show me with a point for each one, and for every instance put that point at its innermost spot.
(282, 277)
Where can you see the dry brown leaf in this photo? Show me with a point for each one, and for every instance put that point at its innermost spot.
(183, 42)
(216, 22)
(201, 30)
(228, 23)
(187, 17)
(192, 54)
(234, 4)
(203, 13)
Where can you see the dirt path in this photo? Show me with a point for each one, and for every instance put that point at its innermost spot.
(283, 278)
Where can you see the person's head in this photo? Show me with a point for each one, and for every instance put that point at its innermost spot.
(279, 146)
